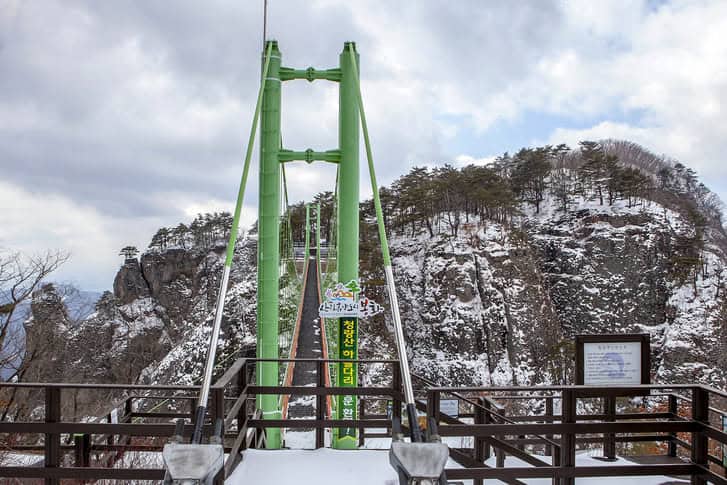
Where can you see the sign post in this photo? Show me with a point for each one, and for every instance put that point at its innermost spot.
(348, 220)
(612, 360)
(343, 302)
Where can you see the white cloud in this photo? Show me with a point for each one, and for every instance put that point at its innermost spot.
(35, 222)
(127, 112)
(464, 160)
(675, 75)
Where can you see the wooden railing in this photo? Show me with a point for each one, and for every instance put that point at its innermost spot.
(236, 392)
(681, 423)
(488, 425)
(99, 444)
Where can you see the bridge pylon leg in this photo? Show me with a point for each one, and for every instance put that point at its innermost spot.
(268, 249)
(347, 243)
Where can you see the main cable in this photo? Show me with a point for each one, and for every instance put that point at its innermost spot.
(209, 364)
(416, 433)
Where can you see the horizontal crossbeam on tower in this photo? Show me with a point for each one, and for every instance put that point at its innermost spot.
(309, 156)
(310, 74)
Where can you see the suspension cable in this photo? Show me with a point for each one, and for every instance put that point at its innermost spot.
(416, 435)
(209, 364)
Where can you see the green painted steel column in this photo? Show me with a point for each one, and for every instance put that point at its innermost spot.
(318, 240)
(307, 233)
(268, 253)
(347, 237)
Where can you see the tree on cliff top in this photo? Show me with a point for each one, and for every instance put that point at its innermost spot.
(128, 252)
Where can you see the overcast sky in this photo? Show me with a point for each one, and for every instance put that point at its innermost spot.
(118, 117)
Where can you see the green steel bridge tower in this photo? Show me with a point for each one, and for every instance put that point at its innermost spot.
(272, 155)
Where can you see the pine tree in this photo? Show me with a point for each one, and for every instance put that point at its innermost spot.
(129, 252)
(530, 174)
(594, 169)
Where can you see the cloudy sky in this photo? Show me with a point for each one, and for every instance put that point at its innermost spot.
(118, 117)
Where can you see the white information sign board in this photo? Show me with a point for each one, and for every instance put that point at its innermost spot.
(450, 407)
(611, 363)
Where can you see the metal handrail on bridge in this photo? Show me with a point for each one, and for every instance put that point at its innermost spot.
(239, 380)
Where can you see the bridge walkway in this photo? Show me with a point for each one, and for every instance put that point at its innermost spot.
(309, 344)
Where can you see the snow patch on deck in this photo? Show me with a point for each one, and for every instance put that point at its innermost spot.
(320, 467)
(326, 466)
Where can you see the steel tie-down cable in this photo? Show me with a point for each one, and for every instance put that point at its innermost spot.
(416, 434)
(418, 462)
(209, 363)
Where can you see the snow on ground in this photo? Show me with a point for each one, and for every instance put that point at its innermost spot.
(317, 467)
(326, 466)
(20, 459)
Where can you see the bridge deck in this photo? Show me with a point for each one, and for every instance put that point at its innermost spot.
(324, 466)
(309, 346)
(371, 467)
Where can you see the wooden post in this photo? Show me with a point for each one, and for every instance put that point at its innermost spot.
(700, 414)
(219, 409)
(568, 440)
(549, 416)
(82, 450)
(487, 419)
(479, 443)
(499, 455)
(499, 452)
(609, 439)
(110, 437)
(52, 442)
(128, 409)
(433, 399)
(192, 409)
(396, 409)
(320, 403)
(674, 411)
(241, 385)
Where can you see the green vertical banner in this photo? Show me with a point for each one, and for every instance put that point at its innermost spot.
(347, 372)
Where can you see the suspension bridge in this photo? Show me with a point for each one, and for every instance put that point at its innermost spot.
(244, 420)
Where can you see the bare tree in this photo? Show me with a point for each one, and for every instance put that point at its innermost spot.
(20, 276)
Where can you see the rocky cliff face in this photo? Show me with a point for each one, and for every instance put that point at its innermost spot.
(185, 361)
(129, 283)
(496, 305)
(153, 321)
(476, 309)
(501, 305)
(618, 270)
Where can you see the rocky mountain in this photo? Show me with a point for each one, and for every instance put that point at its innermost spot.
(492, 292)
(159, 306)
(501, 306)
